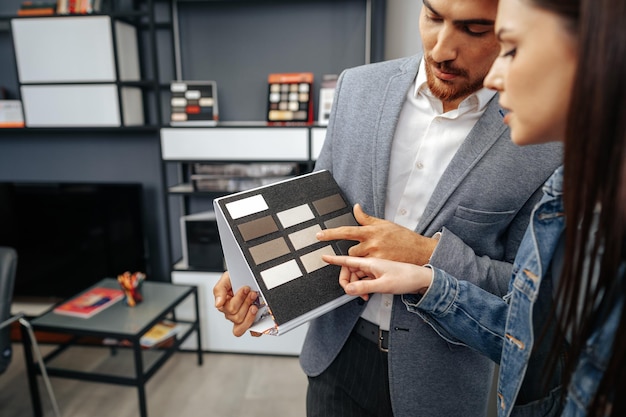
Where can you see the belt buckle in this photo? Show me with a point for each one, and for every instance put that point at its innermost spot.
(380, 341)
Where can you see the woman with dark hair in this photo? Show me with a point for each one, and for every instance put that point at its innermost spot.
(559, 335)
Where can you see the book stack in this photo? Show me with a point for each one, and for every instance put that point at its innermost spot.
(37, 8)
(238, 177)
(160, 334)
(11, 113)
(78, 6)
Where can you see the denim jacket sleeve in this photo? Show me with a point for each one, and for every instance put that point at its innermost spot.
(462, 313)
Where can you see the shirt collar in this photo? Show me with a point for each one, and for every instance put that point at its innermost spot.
(477, 101)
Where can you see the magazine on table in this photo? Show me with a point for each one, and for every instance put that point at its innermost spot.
(90, 302)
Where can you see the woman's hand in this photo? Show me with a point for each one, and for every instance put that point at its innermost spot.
(363, 276)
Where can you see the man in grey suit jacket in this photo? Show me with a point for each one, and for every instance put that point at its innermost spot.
(472, 220)
(481, 206)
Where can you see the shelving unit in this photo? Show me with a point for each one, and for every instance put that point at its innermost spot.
(95, 70)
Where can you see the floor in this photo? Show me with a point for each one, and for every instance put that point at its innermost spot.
(227, 385)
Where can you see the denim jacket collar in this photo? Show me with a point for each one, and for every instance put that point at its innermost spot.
(530, 296)
(554, 186)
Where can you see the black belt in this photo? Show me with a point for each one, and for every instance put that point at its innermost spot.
(372, 332)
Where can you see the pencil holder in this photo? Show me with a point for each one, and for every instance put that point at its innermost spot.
(131, 285)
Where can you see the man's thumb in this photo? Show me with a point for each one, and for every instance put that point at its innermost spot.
(362, 217)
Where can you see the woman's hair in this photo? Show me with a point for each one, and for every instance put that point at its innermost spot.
(595, 194)
(569, 10)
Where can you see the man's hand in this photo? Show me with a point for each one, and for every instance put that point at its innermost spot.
(239, 308)
(380, 238)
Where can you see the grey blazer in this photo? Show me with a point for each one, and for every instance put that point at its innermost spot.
(481, 205)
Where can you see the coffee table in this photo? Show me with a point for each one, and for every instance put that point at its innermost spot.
(118, 322)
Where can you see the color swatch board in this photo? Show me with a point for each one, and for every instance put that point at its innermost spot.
(290, 98)
(268, 238)
(194, 103)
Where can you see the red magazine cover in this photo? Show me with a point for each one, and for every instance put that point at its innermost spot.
(90, 302)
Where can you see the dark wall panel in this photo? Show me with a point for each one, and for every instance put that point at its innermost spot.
(238, 43)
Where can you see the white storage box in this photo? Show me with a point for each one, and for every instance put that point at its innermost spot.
(67, 71)
(80, 105)
(74, 49)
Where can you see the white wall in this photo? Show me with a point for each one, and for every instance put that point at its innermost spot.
(402, 33)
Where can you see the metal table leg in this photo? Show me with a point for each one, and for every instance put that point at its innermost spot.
(141, 382)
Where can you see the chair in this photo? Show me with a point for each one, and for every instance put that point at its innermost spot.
(8, 266)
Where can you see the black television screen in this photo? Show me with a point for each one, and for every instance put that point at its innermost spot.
(69, 235)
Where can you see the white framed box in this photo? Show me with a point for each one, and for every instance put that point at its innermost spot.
(81, 105)
(74, 49)
(235, 144)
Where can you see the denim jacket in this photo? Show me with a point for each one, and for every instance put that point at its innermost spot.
(506, 329)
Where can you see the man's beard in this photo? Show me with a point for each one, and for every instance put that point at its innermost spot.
(445, 90)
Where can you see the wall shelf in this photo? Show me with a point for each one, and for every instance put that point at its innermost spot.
(79, 131)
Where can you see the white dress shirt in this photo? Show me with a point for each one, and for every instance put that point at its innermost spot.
(424, 143)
